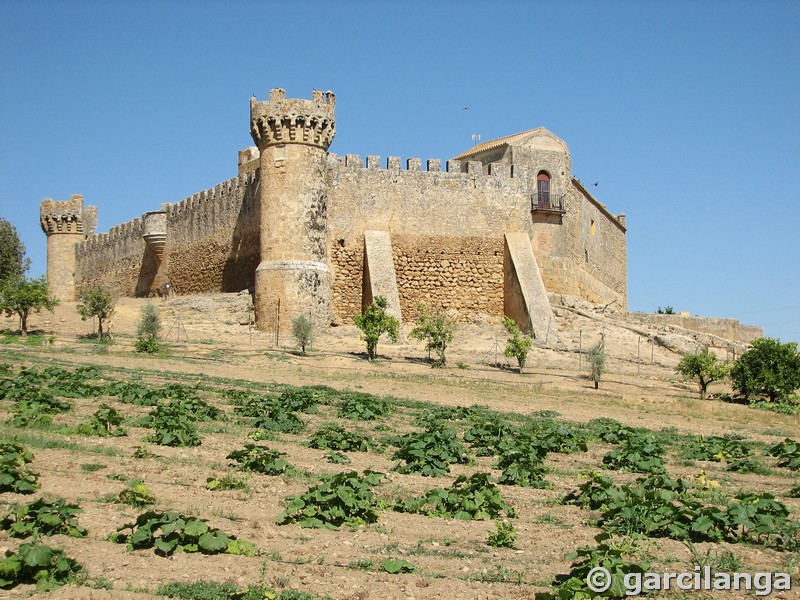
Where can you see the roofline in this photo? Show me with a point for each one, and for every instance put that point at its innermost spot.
(496, 143)
(599, 206)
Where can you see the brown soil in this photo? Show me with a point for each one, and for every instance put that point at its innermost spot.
(451, 557)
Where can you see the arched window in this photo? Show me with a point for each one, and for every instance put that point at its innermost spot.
(543, 190)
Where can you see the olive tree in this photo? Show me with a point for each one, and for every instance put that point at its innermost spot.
(303, 331)
(769, 368)
(96, 301)
(596, 355)
(702, 367)
(21, 296)
(374, 323)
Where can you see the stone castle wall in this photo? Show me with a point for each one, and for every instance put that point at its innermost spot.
(212, 245)
(729, 329)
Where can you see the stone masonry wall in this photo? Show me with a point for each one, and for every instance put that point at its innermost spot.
(347, 266)
(729, 329)
(460, 274)
(212, 246)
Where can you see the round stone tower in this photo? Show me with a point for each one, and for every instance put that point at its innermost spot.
(293, 276)
(65, 224)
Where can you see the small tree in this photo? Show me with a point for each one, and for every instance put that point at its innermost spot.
(596, 355)
(704, 368)
(437, 329)
(12, 252)
(518, 344)
(768, 368)
(148, 329)
(96, 301)
(303, 332)
(20, 295)
(375, 322)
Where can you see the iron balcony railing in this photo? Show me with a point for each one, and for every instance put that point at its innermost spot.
(547, 202)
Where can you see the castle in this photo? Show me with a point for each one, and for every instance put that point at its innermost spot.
(495, 231)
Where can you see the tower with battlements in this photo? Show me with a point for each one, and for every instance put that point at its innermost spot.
(293, 275)
(66, 224)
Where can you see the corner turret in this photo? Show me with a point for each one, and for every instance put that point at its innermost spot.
(65, 223)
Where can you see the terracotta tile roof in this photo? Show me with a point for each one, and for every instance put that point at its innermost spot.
(509, 139)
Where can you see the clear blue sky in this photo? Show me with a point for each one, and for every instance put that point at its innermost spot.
(686, 113)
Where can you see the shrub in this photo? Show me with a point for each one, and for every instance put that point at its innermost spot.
(148, 345)
(303, 332)
(769, 368)
(702, 367)
(173, 426)
(596, 355)
(341, 499)
(436, 329)
(518, 345)
(149, 325)
(96, 301)
(374, 323)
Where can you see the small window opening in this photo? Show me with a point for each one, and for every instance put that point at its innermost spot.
(592, 228)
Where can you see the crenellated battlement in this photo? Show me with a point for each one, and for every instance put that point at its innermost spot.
(432, 165)
(219, 193)
(293, 121)
(67, 216)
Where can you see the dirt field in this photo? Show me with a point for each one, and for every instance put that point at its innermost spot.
(208, 345)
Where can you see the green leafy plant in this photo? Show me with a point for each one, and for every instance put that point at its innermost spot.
(340, 499)
(436, 329)
(715, 449)
(136, 494)
(36, 563)
(105, 422)
(702, 367)
(504, 535)
(132, 393)
(334, 437)
(640, 453)
(173, 426)
(43, 517)
(430, 452)
(96, 301)
(337, 458)
(397, 565)
(788, 451)
(374, 323)
(226, 482)
(170, 532)
(14, 477)
(359, 406)
(522, 464)
(518, 345)
(149, 345)
(487, 436)
(211, 590)
(260, 459)
(769, 368)
(618, 557)
(12, 252)
(469, 498)
(303, 332)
